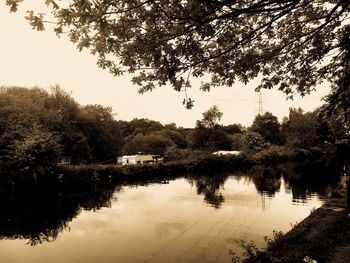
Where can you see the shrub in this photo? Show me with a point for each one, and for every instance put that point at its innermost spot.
(252, 142)
(172, 153)
(39, 150)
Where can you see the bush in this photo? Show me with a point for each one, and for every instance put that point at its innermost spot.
(236, 141)
(39, 150)
(252, 142)
(274, 154)
(172, 153)
(150, 143)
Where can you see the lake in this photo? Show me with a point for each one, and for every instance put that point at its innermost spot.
(184, 219)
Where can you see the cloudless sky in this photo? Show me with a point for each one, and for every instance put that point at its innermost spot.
(30, 58)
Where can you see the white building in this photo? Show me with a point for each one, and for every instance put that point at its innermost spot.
(139, 159)
(227, 152)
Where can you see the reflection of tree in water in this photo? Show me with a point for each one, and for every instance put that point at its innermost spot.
(209, 187)
(302, 179)
(310, 178)
(40, 212)
(267, 180)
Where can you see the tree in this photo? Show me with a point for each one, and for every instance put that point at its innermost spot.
(172, 153)
(211, 117)
(299, 128)
(208, 135)
(20, 110)
(136, 126)
(176, 137)
(219, 140)
(233, 128)
(155, 143)
(236, 141)
(293, 44)
(39, 150)
(252, 142)
(84, 133)
(337, 102)
(268, 127)
(199, 137)
(102, 132)
(64, 116)
(331, 127)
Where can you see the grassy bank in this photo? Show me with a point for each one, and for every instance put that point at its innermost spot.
(323, 236)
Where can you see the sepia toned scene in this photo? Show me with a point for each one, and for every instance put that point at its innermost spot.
(194, 131)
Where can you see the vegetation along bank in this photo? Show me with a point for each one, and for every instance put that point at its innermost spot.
(41, 128)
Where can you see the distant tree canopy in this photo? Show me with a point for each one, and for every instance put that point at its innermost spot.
(268, 127)
(293, 44)
(300, 129)
(48, 125)
(154, 143)
(38, 128)
(252, 142)
(211, 117)
(135, 126)
(208, 134)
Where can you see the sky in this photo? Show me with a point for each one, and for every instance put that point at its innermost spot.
(30, 58)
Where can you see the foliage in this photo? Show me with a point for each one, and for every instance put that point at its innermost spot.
(154, 143)
(38, 150)
(293, 45)
(177, 136)
(219, 140)
(236, 141)
(208, 134)
(210, 139)
(273, 241)
(102, 131)
(268, 127)
(233, 128)
(135, 126)
(337, 102)
(171, 153)
(252, 142)
(84, 133)
(275, 154)
(250, 249)
(20, 110)
(211, 117)
(299, 128)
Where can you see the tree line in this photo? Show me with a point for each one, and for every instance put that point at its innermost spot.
(39, 128)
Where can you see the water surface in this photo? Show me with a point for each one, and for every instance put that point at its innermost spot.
(187, 219)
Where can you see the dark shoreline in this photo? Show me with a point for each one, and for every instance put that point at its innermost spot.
(210, 165)
(323, 236)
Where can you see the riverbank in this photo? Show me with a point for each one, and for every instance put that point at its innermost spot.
(203, 164)
(324, 236)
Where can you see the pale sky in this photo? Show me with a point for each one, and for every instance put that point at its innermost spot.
(29, 58)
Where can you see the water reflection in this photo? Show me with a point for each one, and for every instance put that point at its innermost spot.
(267, 180)
(308, 179)
(303, 180)
(209, 187)
(41, 212)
